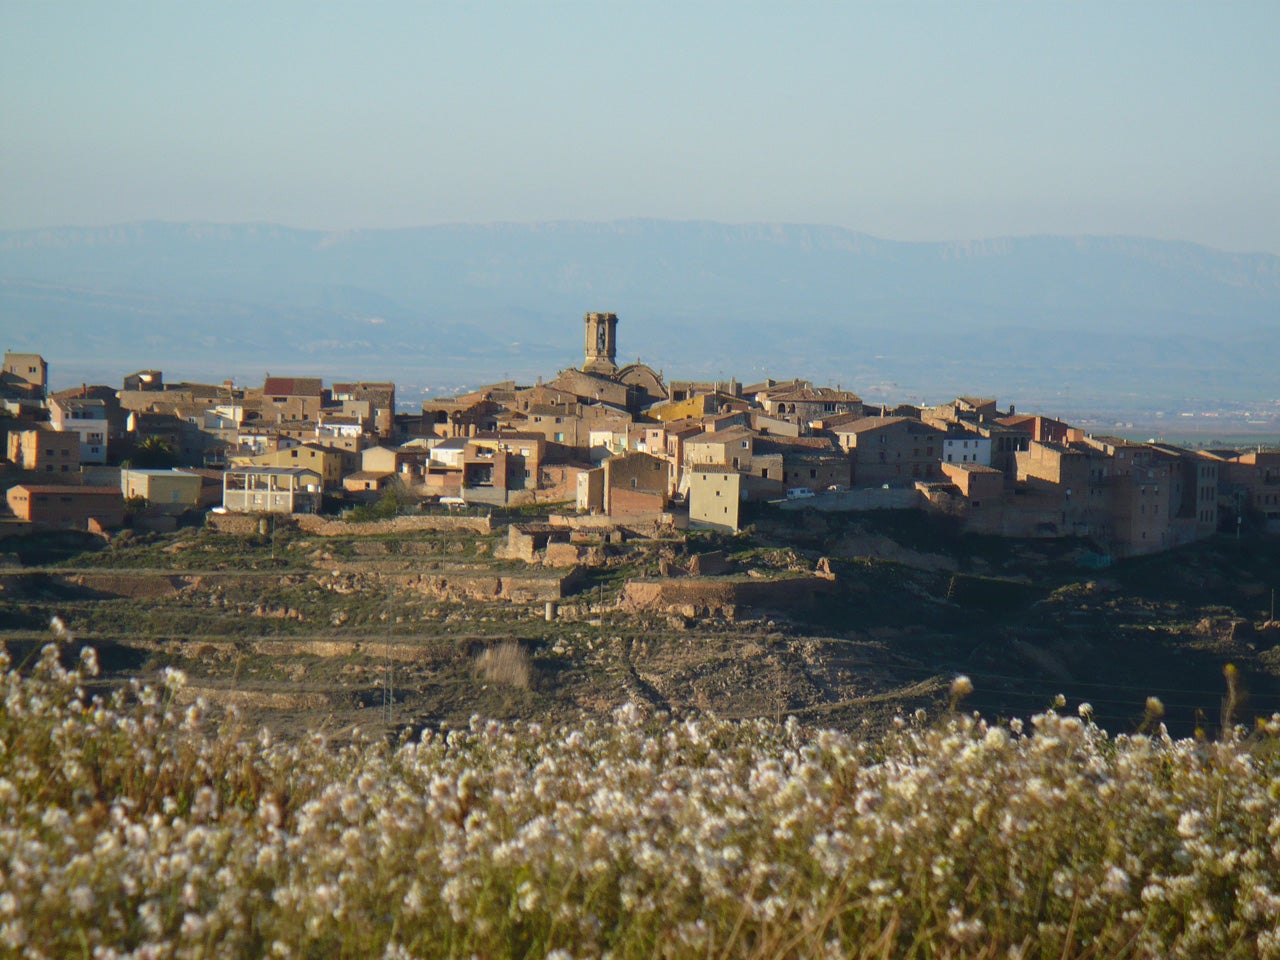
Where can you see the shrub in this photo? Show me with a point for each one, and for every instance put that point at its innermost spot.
(507, 663)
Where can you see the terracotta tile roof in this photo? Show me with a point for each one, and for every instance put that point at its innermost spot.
(796, 445)
(374, 392)
(777, 386)
(67, 489)
(876, 423)
(274, 471)
(291, 387)
(508, 435)
(712, 468)
(817, 395)
(840, 419)
(727, 435)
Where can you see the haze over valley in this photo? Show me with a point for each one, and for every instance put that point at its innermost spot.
(1108, 327)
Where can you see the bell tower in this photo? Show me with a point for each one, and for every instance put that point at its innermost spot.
(602, 343)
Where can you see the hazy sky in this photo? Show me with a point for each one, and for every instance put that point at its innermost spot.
(905, 120)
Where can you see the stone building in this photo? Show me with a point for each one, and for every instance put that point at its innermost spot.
(891, 450)
(171, 490)
(87, 417)
(45, 450)
(1251, 486)
(635, 485)
(24, 375)
(374, 403)
(715, 497)
(292, 398)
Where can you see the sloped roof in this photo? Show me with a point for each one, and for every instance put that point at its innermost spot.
(727, 435)
(712, 468)
(971, 468)
(292, 387)
(867, 424)
(796, 445)
(816, 395)
(68, 489)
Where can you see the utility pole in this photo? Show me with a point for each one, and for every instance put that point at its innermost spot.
(388, 677)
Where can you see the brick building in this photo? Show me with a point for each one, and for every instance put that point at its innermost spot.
(64, 507)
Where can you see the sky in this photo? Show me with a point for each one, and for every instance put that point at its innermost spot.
(910, 121)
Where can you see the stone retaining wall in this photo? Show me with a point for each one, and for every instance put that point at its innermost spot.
(722, 597)
(493, 586)
(244, 525)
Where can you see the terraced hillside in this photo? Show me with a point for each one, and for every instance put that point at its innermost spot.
(841, 622)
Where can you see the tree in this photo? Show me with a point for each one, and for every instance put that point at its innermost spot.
(153, 454)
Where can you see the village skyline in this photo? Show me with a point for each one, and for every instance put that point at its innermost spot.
(614, 438)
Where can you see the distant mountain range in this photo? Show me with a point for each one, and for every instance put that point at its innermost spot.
(1045, 320)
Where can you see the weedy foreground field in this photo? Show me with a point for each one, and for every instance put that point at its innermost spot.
(132, 827)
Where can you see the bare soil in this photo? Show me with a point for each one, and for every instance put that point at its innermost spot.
(302, 638)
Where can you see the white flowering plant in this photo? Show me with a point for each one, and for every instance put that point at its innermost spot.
(136, 827)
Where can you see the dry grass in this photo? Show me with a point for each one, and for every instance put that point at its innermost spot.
(137, 828)
(507, 663)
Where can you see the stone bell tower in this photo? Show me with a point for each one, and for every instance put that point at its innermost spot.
(602, 343)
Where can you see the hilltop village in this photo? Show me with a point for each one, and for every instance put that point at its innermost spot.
(618, 443)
